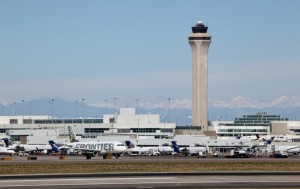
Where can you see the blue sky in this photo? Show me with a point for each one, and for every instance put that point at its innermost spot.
(138, 49)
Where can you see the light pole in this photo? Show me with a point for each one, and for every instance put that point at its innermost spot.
(105, 106)
(138, 121)
(190, 117)
(82, 107)
(23, 107)
(76, 105)
(164, 126)
(23, 111)
(30, 108)
(137, 105)
(52, 101)
(82, 111)
(169, 99)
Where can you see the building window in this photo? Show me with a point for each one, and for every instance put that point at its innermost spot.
(166, 130)
(13, 121)
(123, 130)
(95, 130)
(144, 130)
(2, 130)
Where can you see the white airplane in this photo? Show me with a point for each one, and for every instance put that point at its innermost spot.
(286, 138)
(30, 148)
(255, 137)
(139, 151)
(90, 149)
(164, 149)
(132, 150)
(6, 148)
(193, 150)
(6, 151)
(292, 149)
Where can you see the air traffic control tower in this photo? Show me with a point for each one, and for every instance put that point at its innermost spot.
(199, 41)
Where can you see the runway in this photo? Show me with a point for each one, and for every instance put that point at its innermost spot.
(221, 181)
(187, 179)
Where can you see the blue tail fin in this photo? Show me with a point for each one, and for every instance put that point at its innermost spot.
(257, 136)
(7, 142)
(53, 145)
(129, 144)
(270, 140)
(175, 146)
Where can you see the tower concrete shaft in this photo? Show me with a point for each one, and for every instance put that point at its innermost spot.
(199, 41)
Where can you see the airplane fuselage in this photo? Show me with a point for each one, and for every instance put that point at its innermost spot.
(6, 151)
(33, 147)
(100, 147)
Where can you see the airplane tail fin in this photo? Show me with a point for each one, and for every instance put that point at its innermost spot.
(257, 136)
(72, 134)
(129, 144)
(7, 142)
(270, 140)
(175, 146)
(53, 145)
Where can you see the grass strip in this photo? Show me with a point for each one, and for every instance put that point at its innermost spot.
(108, 167)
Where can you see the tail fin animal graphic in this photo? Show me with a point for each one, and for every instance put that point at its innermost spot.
(72, 135)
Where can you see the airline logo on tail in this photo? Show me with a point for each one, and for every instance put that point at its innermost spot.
(72, 135)
(129, 144)
(257, 136)
(7, 142)
(270, 141)
(175, 146)
(53, 145)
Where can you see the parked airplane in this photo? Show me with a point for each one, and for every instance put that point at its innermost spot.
(164, 149)
(90, 149)
(291, 149)
(252, 138)
(286, 138)
(7, 142)
(132, 150)
(283, 148)
(6, 151)
(31, 148)
(196, 149)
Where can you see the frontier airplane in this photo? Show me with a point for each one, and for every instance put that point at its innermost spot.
(90, 149)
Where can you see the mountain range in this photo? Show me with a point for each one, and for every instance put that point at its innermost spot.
(180, 110)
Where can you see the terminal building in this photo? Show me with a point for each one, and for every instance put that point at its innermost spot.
(260, 123)
(41, 129)
(140, 128)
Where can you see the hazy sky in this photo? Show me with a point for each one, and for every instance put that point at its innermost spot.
(139, 49)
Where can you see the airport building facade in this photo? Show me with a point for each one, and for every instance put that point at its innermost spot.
(260, 123)
(28, 129)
